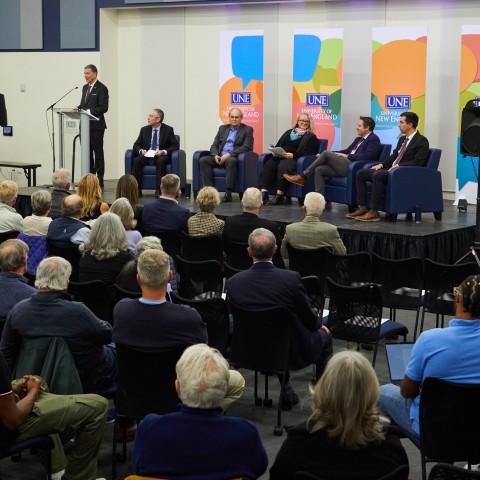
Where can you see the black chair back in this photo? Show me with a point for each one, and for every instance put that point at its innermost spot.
(198, 248)
(308, 262)
(8, 235)
(71, 254)
(400, 473)
(316, 292)
(197, 279)
(94, 294)
(230, 271)
(122, 293)
(351, 269)
(171, 241)
(444, 471)
(236, 254)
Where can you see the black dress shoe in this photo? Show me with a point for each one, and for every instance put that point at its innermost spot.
(265, 198)
(288, 200)
(227, 197)
(277, 200)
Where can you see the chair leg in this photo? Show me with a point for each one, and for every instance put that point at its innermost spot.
(422, 321)
(424, 467)
(258, 400)
(375, 349)
(49, 465)
(416, 324)
(278, 430)
(437, 215)
(114, 451)
(267, 402)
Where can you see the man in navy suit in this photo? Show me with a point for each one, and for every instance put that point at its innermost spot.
(231, 140)
(366, 146)
(164, 213)
(95, 101)
(263, 285)
(411, 150)
(159, 138)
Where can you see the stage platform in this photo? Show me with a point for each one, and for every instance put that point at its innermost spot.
(444, 241)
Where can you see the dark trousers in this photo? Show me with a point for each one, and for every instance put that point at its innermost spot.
(327, 165)
(273, 170)
(97, 160)
(161, 163)
(208, 163)
(379, 179)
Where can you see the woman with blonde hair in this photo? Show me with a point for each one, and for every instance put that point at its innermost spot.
(205, 222)
(121, 207)
(344, 438)
(89, 190)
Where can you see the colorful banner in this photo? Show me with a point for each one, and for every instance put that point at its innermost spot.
(317, 80)
(466, 185)
(241, 79)
(399, 66)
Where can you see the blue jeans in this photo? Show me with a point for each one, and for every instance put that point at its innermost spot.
(393, 405)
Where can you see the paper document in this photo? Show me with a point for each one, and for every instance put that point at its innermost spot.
(150, 154)
(278, 151)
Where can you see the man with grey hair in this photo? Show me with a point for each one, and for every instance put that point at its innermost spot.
(218, 447)
(238, 227)
(153, 323)
(14, 286)
(51, 312)
(61, 181)
(165, 214)
(10, 219)
(311, 233)
(262, 286)
(69, 230)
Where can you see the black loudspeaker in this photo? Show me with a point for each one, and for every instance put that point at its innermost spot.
(470, 130)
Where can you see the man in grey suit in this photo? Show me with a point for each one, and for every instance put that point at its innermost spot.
(311, 233)
(230, 141)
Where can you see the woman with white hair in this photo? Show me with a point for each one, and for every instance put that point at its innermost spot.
(105, 252)
(344, 438)
(121, 207)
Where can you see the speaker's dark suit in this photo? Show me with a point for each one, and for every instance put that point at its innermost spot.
(166, 141)
(97, 103)
(415, 155)
(264, 285)
(3, 112)
(243, 143)
(164, 214)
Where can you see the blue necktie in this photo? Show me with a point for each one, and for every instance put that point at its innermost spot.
(154, 139)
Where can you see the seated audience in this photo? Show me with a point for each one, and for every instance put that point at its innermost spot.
(344, 437)
(311, 233)
(10, 220)
(121, 207)
(296, 142)
(217, 447)
(105, 252)
(127, 278)
(27, 410)
(14, 286)
(61, 179)
(205, 222)
(91, 194)
(127, 187)
(51, 312)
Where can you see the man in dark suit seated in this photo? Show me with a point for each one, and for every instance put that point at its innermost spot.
(263, 286)
(164, 213)
(411, 151)
(230, 141)
(335, 164)
(156, 139)
(238, 227)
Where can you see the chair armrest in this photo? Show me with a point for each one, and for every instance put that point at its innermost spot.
(196, 181)
(262, 158)
(247, 171)
(129, 161)
(179, 164)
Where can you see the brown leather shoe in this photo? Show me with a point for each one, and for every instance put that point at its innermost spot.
(369, 217)
(356, 213)
(297, 179)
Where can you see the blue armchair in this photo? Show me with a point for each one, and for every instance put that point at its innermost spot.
(344, 189)
(246, 173)
(178, 165)
(294, 190)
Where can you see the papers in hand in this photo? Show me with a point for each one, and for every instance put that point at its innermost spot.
(150, 154)
(278, 151)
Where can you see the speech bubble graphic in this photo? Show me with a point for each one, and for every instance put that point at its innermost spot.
(247, 58)
(306, 50)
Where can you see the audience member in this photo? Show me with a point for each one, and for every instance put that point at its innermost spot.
(231, 140)
(164, 213)
(218, 447)
(127, 187)
(121, 207)
(13, 265)
(61, 179)
(263, 285)
(205, 222)
(344, 437)
(51, 312)
(295, 142)
(311, 233)
(10, 220)
(155, 324)
(91, 194)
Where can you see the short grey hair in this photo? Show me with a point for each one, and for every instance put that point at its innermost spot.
(61, 178)
(208, 198)
(170, 184)
(262, 243)
(53, 274)
(41, 201)
(252, 199)
(203, 375)
(147, 243)
(107, 238)
(12, 254)
(121, 207)
(314, 203)
(153, 267)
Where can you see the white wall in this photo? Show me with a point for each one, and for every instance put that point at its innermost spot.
(183, 77)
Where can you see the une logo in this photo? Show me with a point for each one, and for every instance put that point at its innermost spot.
(240, 98)
(317, 99)
(397, 101)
